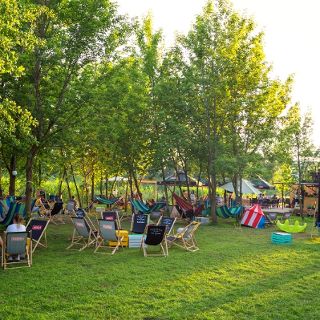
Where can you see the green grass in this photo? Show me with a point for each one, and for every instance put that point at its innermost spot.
(237, 274)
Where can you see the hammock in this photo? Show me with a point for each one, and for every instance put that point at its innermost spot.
(140, 206)
(186, 205)
(225, 212)
(10, 214)
(106, 201)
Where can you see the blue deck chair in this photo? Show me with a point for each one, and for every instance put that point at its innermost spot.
(83, 234)
(38, 227)
(15, 245)
(168, 222)
(139, 223)
(108, 232)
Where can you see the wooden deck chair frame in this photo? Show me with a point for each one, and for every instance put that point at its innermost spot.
(101, 240)
(39, 242)
(186, 238)
(163, 245)
(78, 239)
(5, 256)
(168, 232)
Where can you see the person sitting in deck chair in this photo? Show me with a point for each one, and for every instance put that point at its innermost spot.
(42, 205)
(16, 226)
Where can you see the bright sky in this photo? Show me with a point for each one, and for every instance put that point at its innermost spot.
(291, 37)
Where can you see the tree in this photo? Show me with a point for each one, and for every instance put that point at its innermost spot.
(70, 34)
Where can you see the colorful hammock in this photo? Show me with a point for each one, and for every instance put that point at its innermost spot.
(106, 201)
(225, 212)
(141, 207)
(186, 205)
(10, 214)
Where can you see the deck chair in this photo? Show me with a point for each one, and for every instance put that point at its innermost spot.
(271, 217)
(139, 223)
(81, 213)
(286, 216)
(168, 222)
(38, 227)
(70, 207)
(155, 236)
(185, 238)
(55, 213)
(83, 234)
(112, 216)
(15, 245)
(108, 232)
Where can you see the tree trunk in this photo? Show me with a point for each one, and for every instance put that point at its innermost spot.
(76, 186)
(12, 177)
(165, 186)
(92, 185)
(101, 184)
(198, 182)
(29, 176)
(1, 190)
(68, 186)
(126, 197)
(299, 178)
(106, 183)
(178, 175)
(136, 185)
(112, 186)
(59, 193)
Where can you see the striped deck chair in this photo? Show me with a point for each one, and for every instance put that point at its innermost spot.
(108, 232)
(15, 245)
(185, 238)
(83, 234)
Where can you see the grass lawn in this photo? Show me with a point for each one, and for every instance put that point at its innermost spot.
(237, 274)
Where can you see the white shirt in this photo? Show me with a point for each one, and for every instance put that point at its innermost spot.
(16, 228)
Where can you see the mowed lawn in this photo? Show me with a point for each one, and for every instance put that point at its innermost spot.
(237, 274)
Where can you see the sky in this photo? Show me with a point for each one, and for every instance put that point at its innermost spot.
(291, 42)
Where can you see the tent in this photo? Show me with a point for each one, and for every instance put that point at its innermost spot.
(247, 187)
(179, 180)
(261, 184)
(254, 217)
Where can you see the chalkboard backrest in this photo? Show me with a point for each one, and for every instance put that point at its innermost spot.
(155, 234)
(139, 223)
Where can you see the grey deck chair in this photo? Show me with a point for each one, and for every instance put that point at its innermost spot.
(15, 245)
(83, 234)
(185, 238)
(108, 232)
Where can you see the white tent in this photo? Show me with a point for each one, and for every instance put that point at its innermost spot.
(118, 179)
(247, 187)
